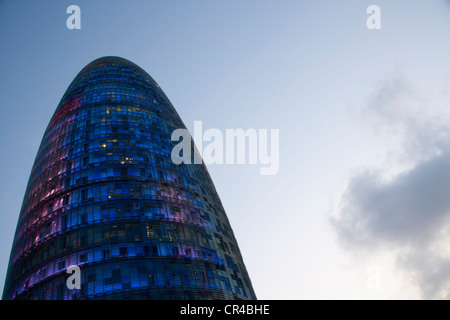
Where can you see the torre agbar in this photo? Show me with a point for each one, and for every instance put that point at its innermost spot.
(104, 195)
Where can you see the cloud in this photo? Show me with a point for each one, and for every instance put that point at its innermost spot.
(420, 121)
(408, 213)
(407, 209)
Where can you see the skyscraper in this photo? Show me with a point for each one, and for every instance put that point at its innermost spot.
(104, 195)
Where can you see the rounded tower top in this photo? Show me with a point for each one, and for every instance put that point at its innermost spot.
(115, 80)
(105, 195)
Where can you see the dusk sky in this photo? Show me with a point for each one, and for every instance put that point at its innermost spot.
(359, 208)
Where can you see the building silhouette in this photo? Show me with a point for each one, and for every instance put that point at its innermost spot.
(104, 195)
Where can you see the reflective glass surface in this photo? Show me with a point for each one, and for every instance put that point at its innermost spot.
(104, 194)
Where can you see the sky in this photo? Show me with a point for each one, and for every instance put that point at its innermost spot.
(359, 206)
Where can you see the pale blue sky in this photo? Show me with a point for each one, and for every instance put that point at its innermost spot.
(308, 68)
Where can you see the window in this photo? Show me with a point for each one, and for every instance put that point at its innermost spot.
(116, 276)
(83, 241)
(61, 265)
(62, 243)
(64, 222)
(123, 251)
(66, 200)
(84, 195)
(42, 274)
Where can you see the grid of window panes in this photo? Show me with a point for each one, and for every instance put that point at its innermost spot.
(104, 194)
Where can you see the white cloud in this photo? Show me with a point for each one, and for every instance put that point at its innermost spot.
(409, 213)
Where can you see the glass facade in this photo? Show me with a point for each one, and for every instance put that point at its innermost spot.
(104, 194)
